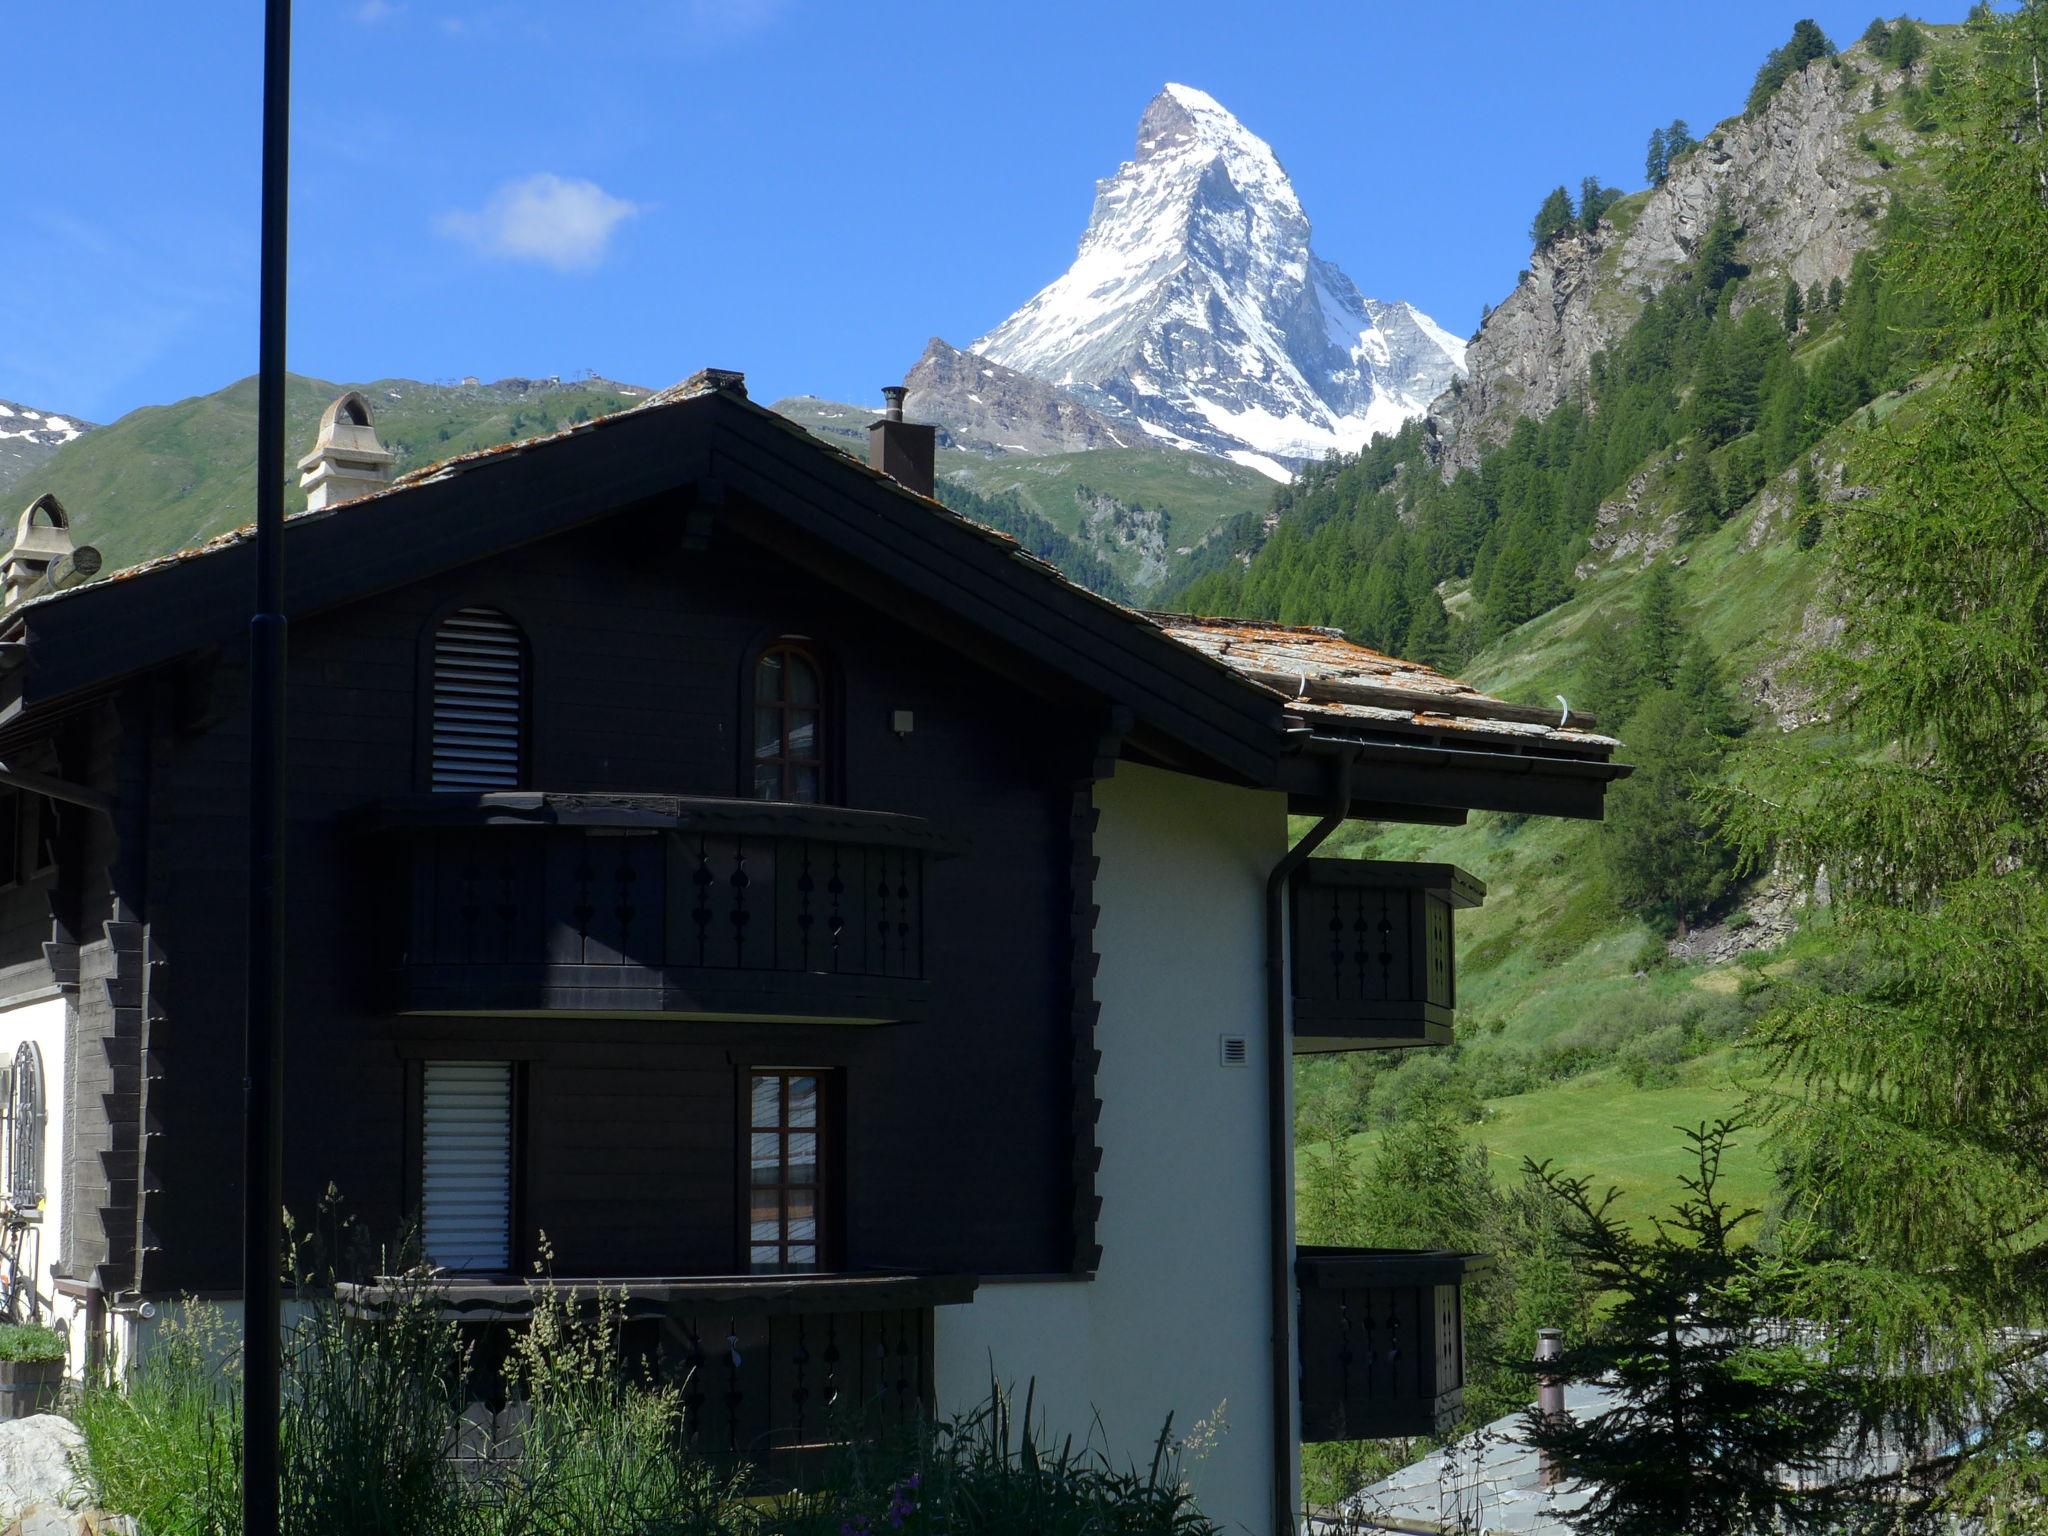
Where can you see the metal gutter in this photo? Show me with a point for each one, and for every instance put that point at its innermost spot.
(1280, 1130)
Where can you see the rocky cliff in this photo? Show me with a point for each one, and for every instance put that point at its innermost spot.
(28, 437)
(1800, 177)
(983, 405)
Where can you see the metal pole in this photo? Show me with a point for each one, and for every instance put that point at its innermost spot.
(263, 1075)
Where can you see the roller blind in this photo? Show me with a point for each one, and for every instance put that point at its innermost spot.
(479, 701)
(466, 1180)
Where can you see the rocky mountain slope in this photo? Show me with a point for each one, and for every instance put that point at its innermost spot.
(982, 405)
(1806, 177)
(28, 438)
(1197, 312)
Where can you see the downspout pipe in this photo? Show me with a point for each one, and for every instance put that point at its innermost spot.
(1280, 1136)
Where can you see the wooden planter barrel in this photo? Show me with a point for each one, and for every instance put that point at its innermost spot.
(29, 1387)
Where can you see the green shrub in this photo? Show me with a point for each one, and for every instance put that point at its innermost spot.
(30, 1341)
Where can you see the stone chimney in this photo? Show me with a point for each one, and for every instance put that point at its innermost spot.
(43, 556)
(347, 461)
(906, 451)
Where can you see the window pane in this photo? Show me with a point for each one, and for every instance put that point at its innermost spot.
(767, 734)
(803, 1159)
(767, 1159)
(803, 733)
(767, 782)
(803, 1101)
(766, 1256)
(766, 1223)
(803, 1257)
(803, 1216)
(804, 785)
(768, 677)
(767, 1102)
(803, 681)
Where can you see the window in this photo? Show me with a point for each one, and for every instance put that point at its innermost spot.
(479, 702)
(466, 1166)
(789, 740)
(786, 1194)
(25, 1121)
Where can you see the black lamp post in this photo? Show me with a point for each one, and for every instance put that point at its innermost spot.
(263, 1077)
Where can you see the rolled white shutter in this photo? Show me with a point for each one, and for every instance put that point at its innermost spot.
(466, 1181)
(479, 700)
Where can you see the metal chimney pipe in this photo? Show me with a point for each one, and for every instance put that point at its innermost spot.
(892, 401)
(1549, 1394)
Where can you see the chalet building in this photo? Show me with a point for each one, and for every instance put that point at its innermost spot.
(824, 922)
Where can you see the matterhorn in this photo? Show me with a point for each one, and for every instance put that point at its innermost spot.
(1197, 312)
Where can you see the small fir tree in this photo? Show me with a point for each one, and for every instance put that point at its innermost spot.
(1699, 492)
(1795, 306)
(1657, 159)
(1553, 218)
(1722, 1417)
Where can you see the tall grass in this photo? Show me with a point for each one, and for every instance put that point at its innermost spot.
(373, 1442)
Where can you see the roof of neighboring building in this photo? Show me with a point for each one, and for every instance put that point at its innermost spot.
(1261, 680)
(1329, 677)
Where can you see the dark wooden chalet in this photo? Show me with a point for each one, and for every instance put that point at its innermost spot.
(693, 858)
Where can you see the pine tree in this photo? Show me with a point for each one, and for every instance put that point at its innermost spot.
(1657, 160)
(1721, 1417)
(1795, 306)
(1699, 492)
(1908, 1095)
(1664, 857)
(1429, 634)
(1678, 140)
(1553, 217)
(1660, 630)
(1806, 44)
(1717, 406)
(1834, 294)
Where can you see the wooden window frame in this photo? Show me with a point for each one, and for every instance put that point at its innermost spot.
(825, 733)
(830, 1185)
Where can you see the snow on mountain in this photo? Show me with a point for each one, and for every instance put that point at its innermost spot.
(27, 439)
(1196, 309)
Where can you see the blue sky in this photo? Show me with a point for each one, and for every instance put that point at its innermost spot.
(801, 190)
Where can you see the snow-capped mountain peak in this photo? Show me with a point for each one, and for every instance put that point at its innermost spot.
(1196, 308)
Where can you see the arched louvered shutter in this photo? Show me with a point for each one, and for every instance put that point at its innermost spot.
(466, 1172)
(25, 1122)
(480, 701)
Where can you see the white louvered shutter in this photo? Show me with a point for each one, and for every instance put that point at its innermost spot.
(479, 700)
(466, 1181)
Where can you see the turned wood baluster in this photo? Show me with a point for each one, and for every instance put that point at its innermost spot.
(903, 913)
(1386, 946)
(693, 1382)
(805, 918)
(585, 910)
(700, 914)
(1337, 940)
(801, 1359)
(831, 1383)
(733, 1396)
(623, 909)
(836, 889)
(739, 916)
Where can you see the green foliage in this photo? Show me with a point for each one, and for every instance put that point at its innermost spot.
(1795, 306)
(30, 1341)
(1595, 200)
(1806, 44)
(1666, 145)
(1905, 1107)
(1664, 857)
(1724, 1421)
(1699, 492)
(1552, 218)
(1006, 513)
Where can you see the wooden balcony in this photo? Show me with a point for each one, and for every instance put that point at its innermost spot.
(1372, 962)
(772, 1370)
(1382, 1340)
(517, 903)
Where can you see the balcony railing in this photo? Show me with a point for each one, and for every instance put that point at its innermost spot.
(771, 1370)
(1382, 1340)
(520, 903)
(1373, 963)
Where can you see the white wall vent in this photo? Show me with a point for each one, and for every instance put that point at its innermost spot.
(479, 701)
(466, 1173)
(1233, 1050)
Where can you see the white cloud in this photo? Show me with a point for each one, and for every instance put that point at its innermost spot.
(554, 220)
(370, 12)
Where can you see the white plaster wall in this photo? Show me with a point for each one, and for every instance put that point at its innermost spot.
(1177, 1317)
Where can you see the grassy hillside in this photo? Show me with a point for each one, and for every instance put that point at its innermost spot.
(165, 477)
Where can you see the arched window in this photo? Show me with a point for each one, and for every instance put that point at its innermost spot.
(789, 725)
(480, 702)
(25, 1119)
